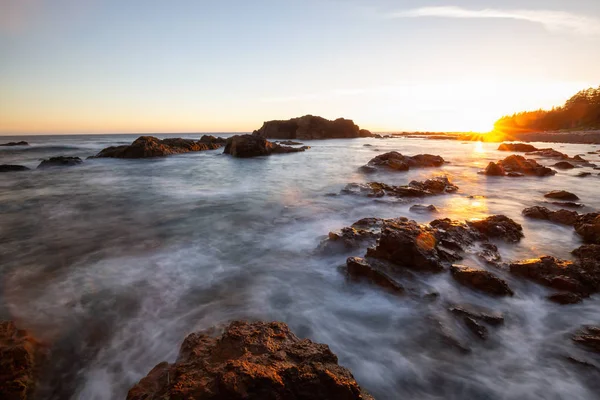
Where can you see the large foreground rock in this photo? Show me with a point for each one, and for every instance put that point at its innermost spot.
(150, 146)
(311, 127)
(516, 165)
(250, 361)
(20, 358)
(398, 162)
(12, 168)
(245, 146)
(60, 162)
(430, 187)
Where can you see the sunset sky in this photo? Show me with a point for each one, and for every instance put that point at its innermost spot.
(93, 66)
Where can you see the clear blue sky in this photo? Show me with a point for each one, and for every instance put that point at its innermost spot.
(78, 66)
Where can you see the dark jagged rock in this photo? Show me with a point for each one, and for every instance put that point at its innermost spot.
(213, 140)
(581, 277)
(481, 280)
(398, 162)
(587, 251)
(589, 337)
(430, 187)
(359, 268)
(565, 298)
(519, 147)
(150, 146)
(310, 127)
(245, 146)
(478, 329)
(250, 361)
(479, 313)
(521, 165)
(561, 195)
(60, 162)
(20, 359)
(564, 165)
(366, 230)
(12, 168)
(494, 169)
(499, 226)
(422, 209)
(10, 144)
(565, 217)
(588, 227)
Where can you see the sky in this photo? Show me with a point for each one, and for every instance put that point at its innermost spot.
(157, 66)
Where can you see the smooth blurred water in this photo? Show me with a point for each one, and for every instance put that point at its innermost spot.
(113, 262)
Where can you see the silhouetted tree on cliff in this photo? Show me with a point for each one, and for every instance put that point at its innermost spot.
(582, 111)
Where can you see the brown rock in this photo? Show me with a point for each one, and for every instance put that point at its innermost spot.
(60, 162)
(588, 227)
(430, 187)
(521, 165)
(548, 153)
(20, 358)
(565, 217)
(499, 226)
(359, 268)
(478, 313)
(519, 147)
(310, 127)
(589, 337)
(565, 298)
(494, 169)
(213, 140)
(245, 146)
(561, 195)
(398, 162)
(564, 165)
(250, 361)
(150, 146)
(480, 280)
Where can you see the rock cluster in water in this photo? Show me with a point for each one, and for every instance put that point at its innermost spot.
(310, 127)
(150, 146)
(250, 361)
(398, 162)
(244, 146)
(518, 147)
(430, 187)
(516, 166)
(21, 143)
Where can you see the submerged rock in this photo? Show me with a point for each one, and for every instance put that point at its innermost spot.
(150, 146)
(479, 313)
(245, 146)
(12, 168)
(548, 153)
(565, 217)
(251, 361)
(398, 162)
(519, 147)
(588, 337)
(60, 162)
(481, 280)
(567, 204)
(561, 195)
(583, 174)
(478, 329)
(21, 143)
(20, 359)
(422, 209)
(430, 187)
(311, 127)
(290, 143)
(565, 298)
(564, 165)
(359, 268)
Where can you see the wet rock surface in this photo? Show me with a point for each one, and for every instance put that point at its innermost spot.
(588, 227)
(311, 127)
(588, 337)
(565, 217)
(398, 162)
(564, 165)
(498, 226)
(290, 143)
(250, 361)
(150, 146)
(430, 187)
(561, 195)
(20, 359)
(12, 168)
(515, 165)
(245, 146)
(481, 280)
(359, 268)
(213, 139)
(478, 313)
(518, 147)
(423, 209)
(60, 162)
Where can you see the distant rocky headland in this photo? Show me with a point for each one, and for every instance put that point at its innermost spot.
(310, 127)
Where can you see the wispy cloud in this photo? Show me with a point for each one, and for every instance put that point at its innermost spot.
(551, 20)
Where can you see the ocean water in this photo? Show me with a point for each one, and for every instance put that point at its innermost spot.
(113, 262)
